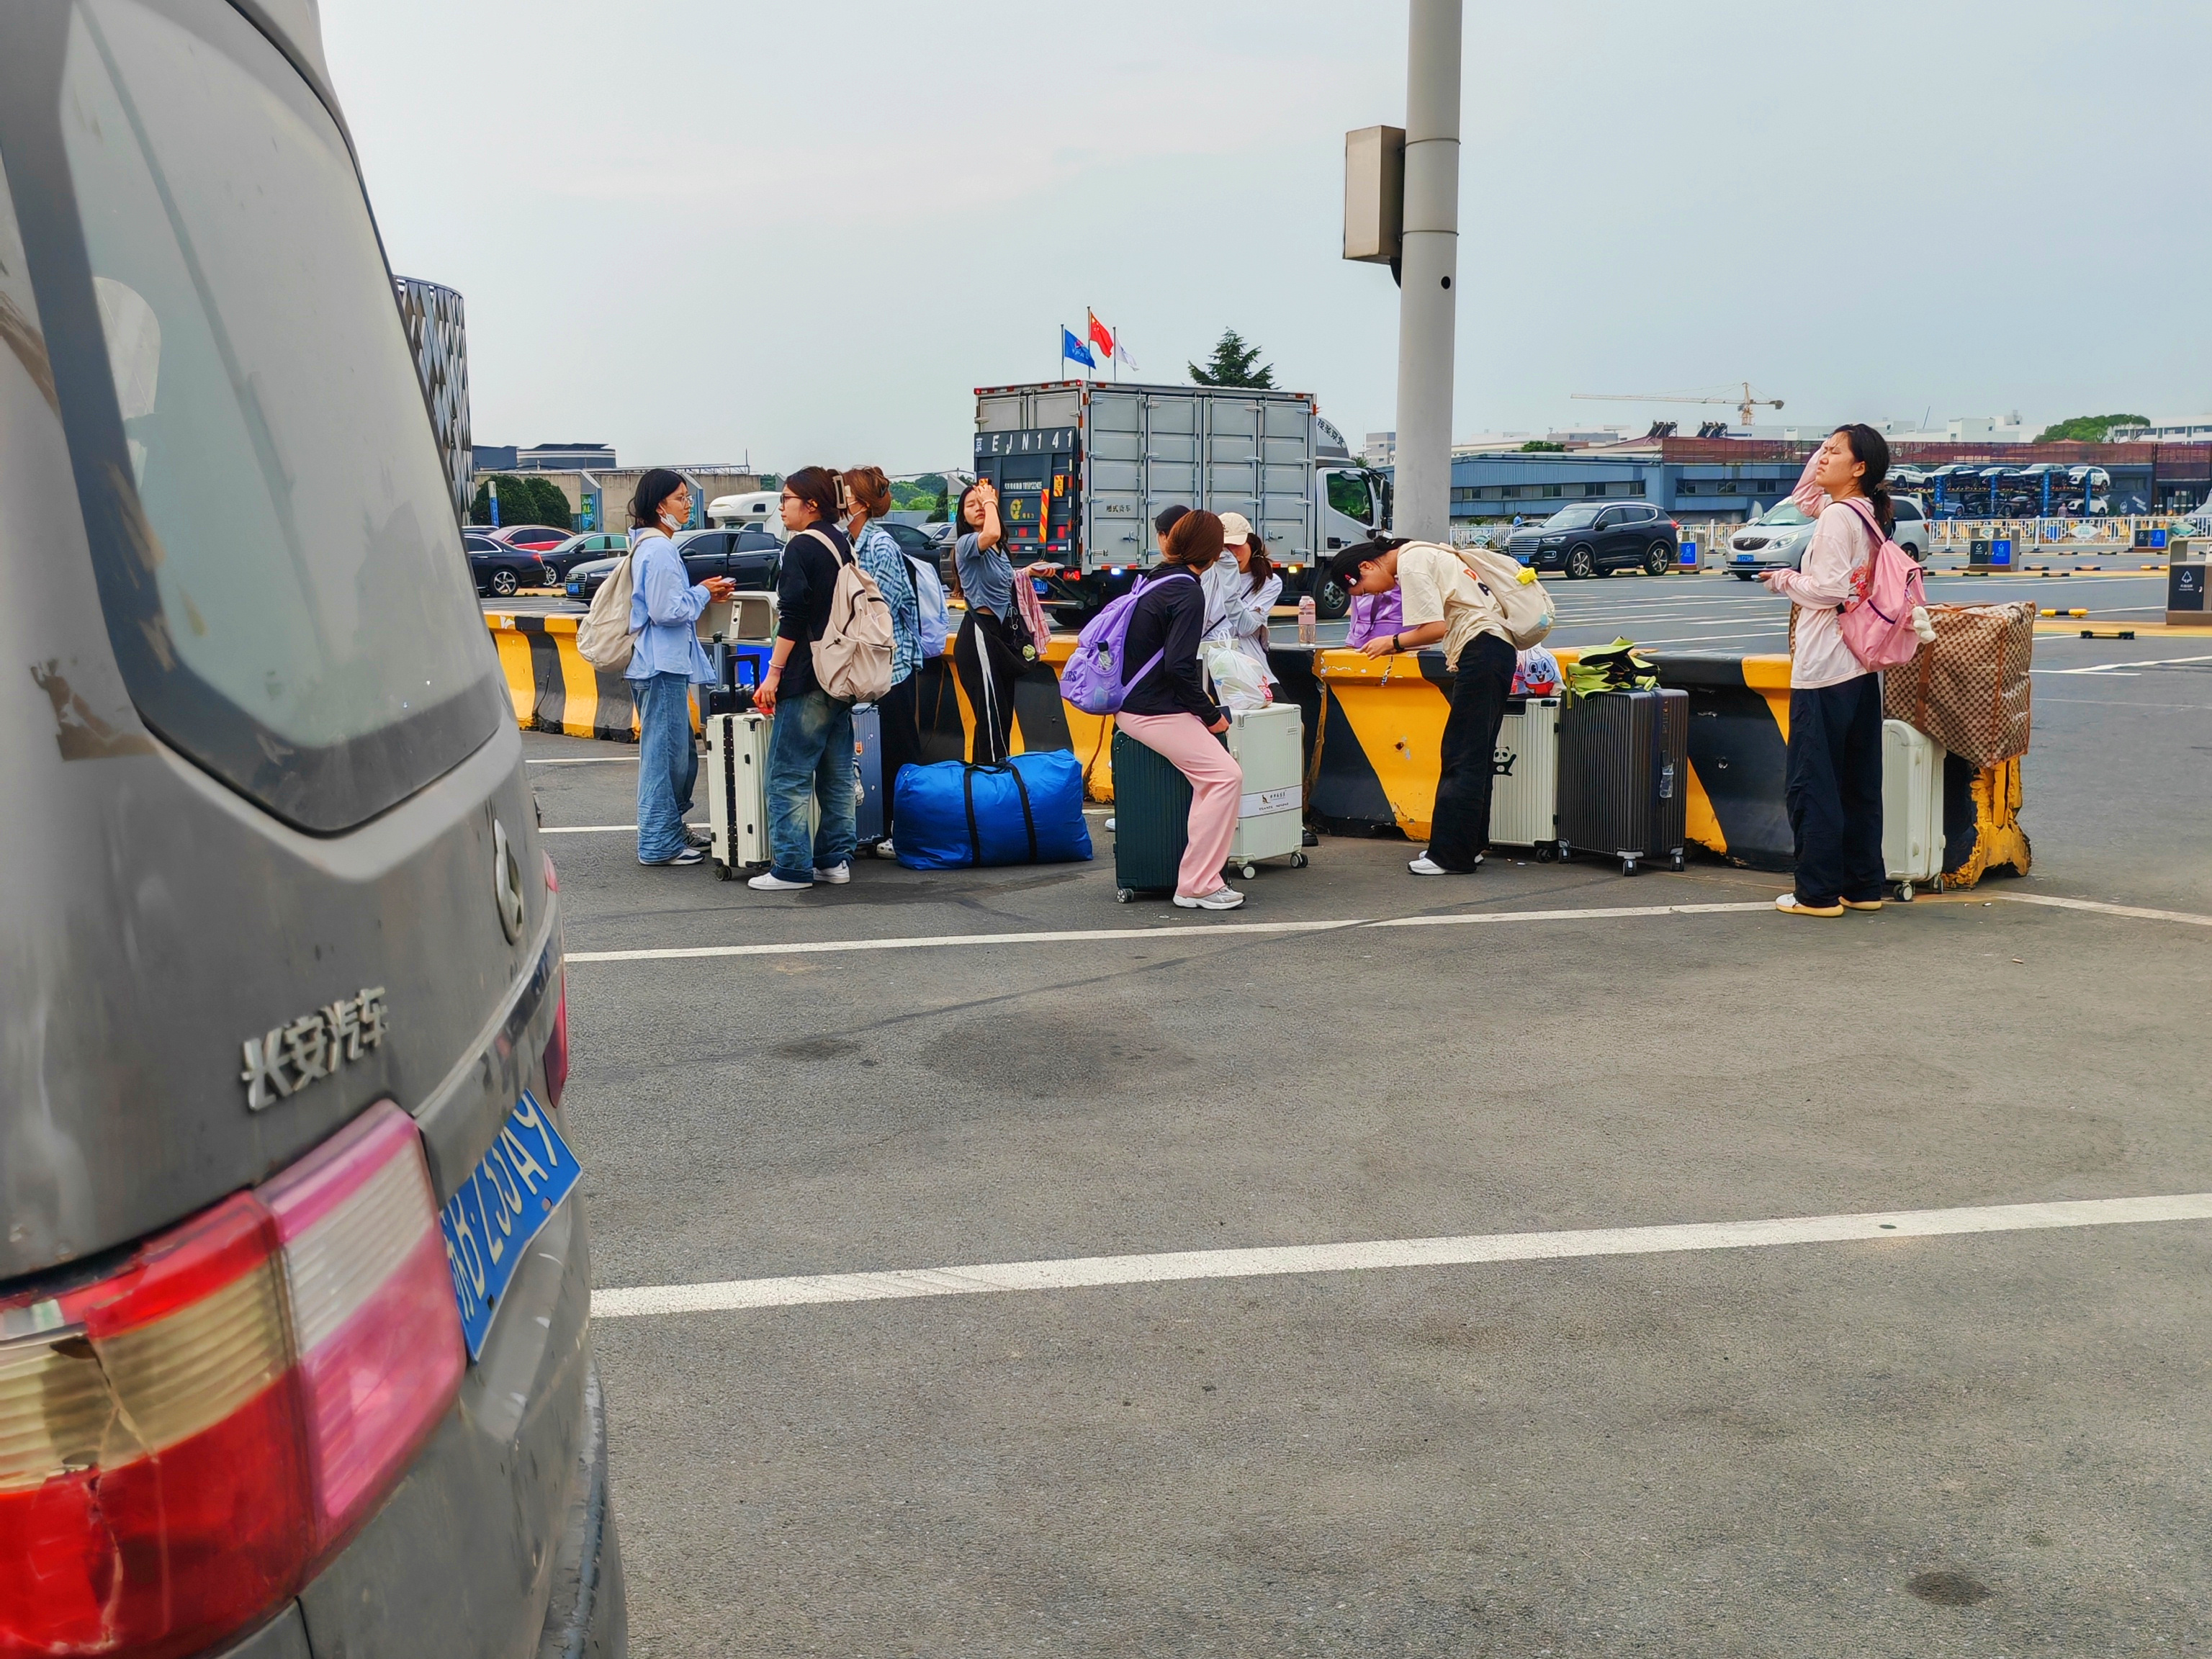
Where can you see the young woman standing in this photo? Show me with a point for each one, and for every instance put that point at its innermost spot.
(989, 652)
(898, 711)
(1834, 788)
(665, 663)
(810, 747)
(1168, 711)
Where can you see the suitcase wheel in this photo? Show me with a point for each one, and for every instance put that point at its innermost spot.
(1905, 892)
(1248, 871)
(1677, 863)
(1565, 852)
(1628, 866)
(1124, 895)
(1546, 853)
(722, 871)
(1299, 861)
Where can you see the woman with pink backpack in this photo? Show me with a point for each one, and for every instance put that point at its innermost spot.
(1834, 789)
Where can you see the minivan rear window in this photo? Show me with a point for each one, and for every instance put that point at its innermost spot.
(278, 561)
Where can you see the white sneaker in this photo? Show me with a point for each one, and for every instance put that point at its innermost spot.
(1109, 826)
(836, 875)
(768, 882)
(884, 850)
(689, 854)
(1221, 898)
(1425, 865)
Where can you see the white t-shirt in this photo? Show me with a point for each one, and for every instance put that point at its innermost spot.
(1435, 584)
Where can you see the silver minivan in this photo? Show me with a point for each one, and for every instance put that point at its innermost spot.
(293, 1282)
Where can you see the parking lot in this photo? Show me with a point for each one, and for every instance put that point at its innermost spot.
(1986, 1441)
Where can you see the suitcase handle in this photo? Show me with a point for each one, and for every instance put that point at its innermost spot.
(974, 830)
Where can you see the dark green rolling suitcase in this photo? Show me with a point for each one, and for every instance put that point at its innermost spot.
(1151, 819)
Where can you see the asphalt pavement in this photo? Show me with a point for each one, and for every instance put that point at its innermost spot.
(1990, 1441)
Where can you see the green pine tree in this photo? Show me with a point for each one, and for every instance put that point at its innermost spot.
(1234, 363)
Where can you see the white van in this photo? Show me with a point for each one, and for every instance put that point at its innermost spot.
(755, 510)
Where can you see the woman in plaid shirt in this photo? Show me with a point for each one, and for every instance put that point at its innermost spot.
(899, 710)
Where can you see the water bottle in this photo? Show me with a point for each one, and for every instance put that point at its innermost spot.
(1309, 617)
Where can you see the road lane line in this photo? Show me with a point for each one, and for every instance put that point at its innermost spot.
(1185, 931)
(583, 760)
(2136, 911)
(1087, 1272)
(597, 828)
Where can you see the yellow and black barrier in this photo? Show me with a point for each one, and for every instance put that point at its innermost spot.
(1374, 728)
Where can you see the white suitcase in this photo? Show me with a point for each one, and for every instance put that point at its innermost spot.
(737, 791)
(1524, 784)
(1912, 808)
(1269, 744)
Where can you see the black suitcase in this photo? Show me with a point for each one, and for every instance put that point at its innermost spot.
(1151, 819)
(1624, 776)
(867, 774)
(728, 694)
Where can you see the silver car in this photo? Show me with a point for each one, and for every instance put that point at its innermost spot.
(1777, 539)
(294, 1285)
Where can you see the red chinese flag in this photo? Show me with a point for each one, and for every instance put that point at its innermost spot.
(1099, 336)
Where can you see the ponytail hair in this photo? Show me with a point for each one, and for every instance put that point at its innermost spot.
(1870, 448)
(1261, 567)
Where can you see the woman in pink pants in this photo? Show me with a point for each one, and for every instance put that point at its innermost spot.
(1167, 708)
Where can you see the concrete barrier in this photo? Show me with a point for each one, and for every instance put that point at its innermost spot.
(1374, 726)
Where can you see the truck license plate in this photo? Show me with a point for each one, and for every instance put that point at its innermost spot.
(494, 1214)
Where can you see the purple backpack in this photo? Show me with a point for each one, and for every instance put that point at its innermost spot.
(1093, 680)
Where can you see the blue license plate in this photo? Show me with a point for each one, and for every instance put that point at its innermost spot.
(1747, 558)
(492, 1216)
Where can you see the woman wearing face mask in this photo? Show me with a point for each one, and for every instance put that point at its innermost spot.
(1834, 788)
(1241, 588)
(1168, 710)
(666, 662)
(898, 712)
(989, 652)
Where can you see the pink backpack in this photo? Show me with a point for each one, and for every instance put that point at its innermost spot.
(1877, 619)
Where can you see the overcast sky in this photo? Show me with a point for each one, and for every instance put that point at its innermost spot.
(701, 229)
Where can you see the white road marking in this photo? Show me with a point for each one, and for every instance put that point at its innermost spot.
(1198, 930)
(2136, 911)
(2127, 669)
(583, 760)
(597, 828)
(1085, 1272)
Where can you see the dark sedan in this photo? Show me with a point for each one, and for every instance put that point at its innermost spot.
(566, 555)
(1588, 538)
(500, 569)
(751, 558)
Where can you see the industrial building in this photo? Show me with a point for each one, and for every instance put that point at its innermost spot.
(1738, 478)
(545, 458)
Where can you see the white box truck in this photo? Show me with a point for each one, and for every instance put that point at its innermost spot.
(1081, 466)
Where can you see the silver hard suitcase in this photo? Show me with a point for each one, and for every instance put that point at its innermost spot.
(737, 791)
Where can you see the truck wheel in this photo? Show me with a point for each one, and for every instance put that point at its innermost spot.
(1331, 599)
(1581, 562)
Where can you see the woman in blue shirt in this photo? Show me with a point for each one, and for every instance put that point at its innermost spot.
(992, 647)
(898, 711)
(665, 661)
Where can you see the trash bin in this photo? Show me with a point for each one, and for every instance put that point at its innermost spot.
(1689, 555)
(2001, 553)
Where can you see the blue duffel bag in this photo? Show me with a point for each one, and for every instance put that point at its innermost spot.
(1028, 810)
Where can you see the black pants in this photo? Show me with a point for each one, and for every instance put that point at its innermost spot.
(988, 661)
(1834, 793)
(898, 712)
(1480, 685)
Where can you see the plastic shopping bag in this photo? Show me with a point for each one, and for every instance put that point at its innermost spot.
(1239, 682)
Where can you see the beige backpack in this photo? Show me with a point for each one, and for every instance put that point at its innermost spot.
(852, 657)
(603, 638)
(1512, 585)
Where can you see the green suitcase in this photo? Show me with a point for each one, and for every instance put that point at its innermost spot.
(1151, 819)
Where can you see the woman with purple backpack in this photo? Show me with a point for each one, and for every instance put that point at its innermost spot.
(1834, 788)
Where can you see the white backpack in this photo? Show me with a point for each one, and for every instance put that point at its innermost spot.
(1521, 598)
(852, 657)
(604, 637)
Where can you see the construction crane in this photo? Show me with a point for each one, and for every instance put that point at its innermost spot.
(1744, 405)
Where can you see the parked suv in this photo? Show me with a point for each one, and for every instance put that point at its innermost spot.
(1778, 537)
(294, 1283)
(1589, 538)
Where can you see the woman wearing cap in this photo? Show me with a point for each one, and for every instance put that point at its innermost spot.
(1241, 588)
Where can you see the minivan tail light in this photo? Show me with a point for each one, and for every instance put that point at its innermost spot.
(184, 1440)
(373, 1320)
(556, 1052)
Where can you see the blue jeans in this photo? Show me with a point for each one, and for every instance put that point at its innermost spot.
(667, 764)
(810, 755)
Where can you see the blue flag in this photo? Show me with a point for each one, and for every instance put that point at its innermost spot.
(1072, 346)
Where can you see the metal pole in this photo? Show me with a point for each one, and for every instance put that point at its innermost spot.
(1428, 272)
